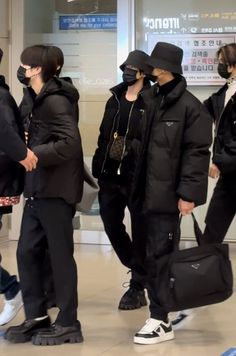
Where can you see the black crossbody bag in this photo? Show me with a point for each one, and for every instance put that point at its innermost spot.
(196, 276)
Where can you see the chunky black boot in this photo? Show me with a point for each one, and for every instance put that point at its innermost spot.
(25, 331)
(134, 298)
(58, 335)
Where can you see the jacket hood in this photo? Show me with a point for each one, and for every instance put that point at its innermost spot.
(60, 87)
(3, 83)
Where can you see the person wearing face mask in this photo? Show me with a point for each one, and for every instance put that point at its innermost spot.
(113, 165)
(171, 172)
(51, 193)
(222, 207)
(14, 155)
(25, 108)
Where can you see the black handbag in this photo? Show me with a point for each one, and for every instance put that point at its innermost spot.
(194, 277)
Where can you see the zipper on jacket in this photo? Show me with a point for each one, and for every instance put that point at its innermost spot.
(217, 127)
(126, 133)
(111, 134)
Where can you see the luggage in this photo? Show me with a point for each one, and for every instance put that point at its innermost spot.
(195, 276)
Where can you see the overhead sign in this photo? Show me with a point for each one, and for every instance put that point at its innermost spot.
(88, 22)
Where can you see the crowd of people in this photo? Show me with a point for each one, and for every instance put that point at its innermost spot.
(152, 157)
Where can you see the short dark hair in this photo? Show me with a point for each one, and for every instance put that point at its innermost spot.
(40, 56)
(59, 56)
(228, 53)
(1, 54)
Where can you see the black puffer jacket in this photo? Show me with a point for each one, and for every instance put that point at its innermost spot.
(27, 103)
(55, 139)
(175, 151)
(107, 129)
(224, 152)
(12, 147)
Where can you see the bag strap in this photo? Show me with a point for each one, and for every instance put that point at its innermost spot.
(197, 231)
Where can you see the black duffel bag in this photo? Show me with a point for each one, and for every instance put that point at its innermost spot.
(194, 277)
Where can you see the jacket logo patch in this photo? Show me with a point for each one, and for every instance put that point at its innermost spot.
(196, 266)
(169, 123)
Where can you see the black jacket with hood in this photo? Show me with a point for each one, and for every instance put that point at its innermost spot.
(224, 151)
(55, 139)
(12, 146)
(108, 126)
(175, 152)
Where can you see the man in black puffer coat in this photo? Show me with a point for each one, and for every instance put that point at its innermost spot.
(51, 192)
(172, 170)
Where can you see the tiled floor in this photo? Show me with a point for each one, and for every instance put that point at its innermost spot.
(108, 331)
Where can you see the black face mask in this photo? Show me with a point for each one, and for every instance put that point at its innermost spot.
(129, 76)
(22, 77)
(222, 70)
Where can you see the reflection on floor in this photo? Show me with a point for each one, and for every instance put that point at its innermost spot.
(108, 331)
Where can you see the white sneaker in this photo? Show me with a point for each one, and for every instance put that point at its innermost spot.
(11, 308)
(182, 317)
(153, 332)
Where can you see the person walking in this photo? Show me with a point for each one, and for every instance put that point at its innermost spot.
(171, 171)
(51, 192)
(14, 158)
(113, 165)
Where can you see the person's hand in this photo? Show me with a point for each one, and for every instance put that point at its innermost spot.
(185, 207)
(30, 161)
(214, 171)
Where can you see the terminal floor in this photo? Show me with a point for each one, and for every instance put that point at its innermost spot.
(108, 331)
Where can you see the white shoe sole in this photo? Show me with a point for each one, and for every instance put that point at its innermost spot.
(155, 340)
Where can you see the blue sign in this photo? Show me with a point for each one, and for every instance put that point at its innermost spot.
(88, 22)
(230, 352)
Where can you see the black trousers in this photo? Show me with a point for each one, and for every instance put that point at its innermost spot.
(113, 199)
(221, 210)
(47, 225)
(161, 230)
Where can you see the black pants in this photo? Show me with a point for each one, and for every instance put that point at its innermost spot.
(47, 225)
(113, 199)
(221, 210)
(161, 229)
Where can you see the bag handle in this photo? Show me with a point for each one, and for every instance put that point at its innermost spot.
(197, 231)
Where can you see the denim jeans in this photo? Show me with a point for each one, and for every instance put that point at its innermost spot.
(9, 286)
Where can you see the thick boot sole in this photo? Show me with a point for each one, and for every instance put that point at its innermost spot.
(18, 339)
(71, 338)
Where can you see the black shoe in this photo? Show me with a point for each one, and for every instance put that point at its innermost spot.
(58, 335)
(132, 299)
(25, 331)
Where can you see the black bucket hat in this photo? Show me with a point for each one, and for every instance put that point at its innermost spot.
(166, 56)
(137, 59)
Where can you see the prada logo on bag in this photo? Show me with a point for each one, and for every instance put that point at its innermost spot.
(169, 123)
(196, 266)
